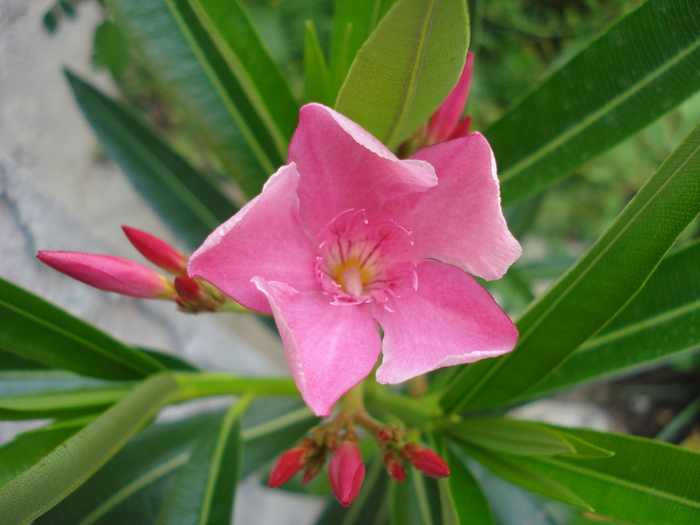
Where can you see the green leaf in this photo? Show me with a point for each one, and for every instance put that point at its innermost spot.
(584, 299)
(37, 330)
(317, 80)
(62, 403)
(368, 508)
(211, 58)
(190, 204)
(510, 468)
(461, 498)
(134, 483)
(406, 68)
(659, 323)
(615, 87)
(36, 490)
(204, 488)
(171, 361)
(353, 22)
(409, 502)
(646, 482)
(518, 438)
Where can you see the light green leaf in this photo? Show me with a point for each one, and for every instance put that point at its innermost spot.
(619, 84)
(36, 490)
(353, 22)
(190, 204)
(647, 482)
(317, 80)
(62, 403)
(196, 65)
(406, 68)
(409, 502)
(512, 470)
(204, 488)
(518, 438)
(594, 289)
(37, 330)
(661, 322)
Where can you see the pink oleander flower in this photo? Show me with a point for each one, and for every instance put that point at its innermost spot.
(346, 472)
(111, 273)
(346, 237)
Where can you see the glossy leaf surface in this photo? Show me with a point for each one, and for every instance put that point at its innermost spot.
(406, 68)
(190, 204)
(594, 289)
(42, 332)
(641, 68)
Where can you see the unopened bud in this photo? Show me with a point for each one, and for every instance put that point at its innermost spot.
(157, 251)
(187, 288)
(287, 465)
(110, 273)
(394, 466)
(346, 472)
(425, 460)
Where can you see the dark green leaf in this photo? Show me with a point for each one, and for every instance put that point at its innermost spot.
(510, 468)
(406, 68)
(111, 49)
(34, 491)
(646, 482)
(35, 329)
(204, 488)
(409, 502)
(182, 196)
(594, 289)
(659, 323)
(317, 80)
(615, 87)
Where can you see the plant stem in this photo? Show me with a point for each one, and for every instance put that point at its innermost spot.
(200, 384)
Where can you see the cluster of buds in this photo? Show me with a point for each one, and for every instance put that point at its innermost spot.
(346, 470)
(116, 274)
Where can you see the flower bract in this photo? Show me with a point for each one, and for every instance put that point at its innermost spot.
(346, 237)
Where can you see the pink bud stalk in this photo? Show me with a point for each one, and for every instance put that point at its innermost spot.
(110, 273)
(446, 120)
(425, 460)
(346, 472)
(157, 251)
(287, 466)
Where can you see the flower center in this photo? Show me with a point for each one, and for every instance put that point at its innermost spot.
(363, 260)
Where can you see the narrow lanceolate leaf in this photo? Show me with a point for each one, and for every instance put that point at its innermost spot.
(204, 488)
(646, 482)
(641, 68)
(131, 487)
(35, 329)
(207, 53)
(182, 196)
(597, 287)
(62, 403)
(353, 22)
(661, 322)
(317, 80)
(510, 468)
(409, 502)
(34, 491)
(406, 68)
(462, 501)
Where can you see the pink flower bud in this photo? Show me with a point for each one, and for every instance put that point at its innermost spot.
(187, 288)
(110, 273)
(157, 251)
(346, 472)
(394, 466)
(287, 465)
(425, 460)
(446, 121)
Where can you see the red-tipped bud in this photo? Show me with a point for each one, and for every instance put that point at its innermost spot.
(346, 472)
(425, 460)
(110, 273)
(394, 466)
(287, 465)
(157, 251)
(187, 288)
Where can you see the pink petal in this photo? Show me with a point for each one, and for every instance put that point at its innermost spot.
(265, 238)
(344, 167)
(446, 118)
(449, 320)
(460, 220)
(330, 348)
